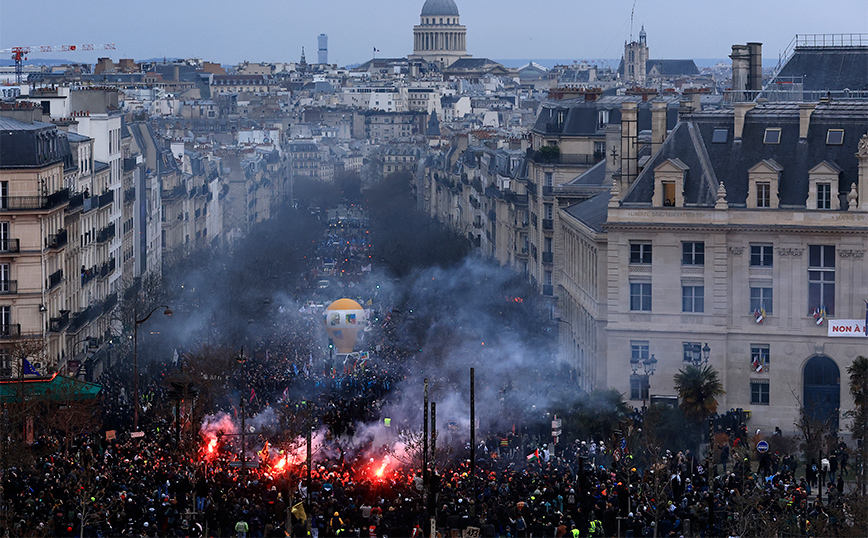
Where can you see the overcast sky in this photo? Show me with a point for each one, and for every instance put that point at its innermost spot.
(273, 30)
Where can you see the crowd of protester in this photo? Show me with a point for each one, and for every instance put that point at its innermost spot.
(519, 485)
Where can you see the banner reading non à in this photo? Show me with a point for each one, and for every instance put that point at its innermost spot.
(854, 328)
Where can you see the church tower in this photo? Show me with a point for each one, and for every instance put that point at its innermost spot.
(635, 60)
(439, 37)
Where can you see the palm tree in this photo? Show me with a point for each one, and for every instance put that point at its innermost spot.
(698, 389)
(858, 372)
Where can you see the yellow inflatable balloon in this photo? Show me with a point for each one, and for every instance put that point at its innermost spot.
(344, 319)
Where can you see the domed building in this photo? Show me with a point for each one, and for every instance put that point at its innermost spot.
(439, 37)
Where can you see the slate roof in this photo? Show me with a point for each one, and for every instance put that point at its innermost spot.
(580, 116)
(828, 68)
(473, 63)
(708, 163)
(671, 67)
(592, 212)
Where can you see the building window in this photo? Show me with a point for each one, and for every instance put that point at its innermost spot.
(693, 253)
(640, 253)
(824, 196)
(821, 278)
(548, 179)
(693, 298)
(759, 391)
(638, 387)
(640, 296)
(761, 255)
(640, 349)
(763, 194)
(761, 300)
(835, 137)
(772, 135)
(719, 136)
(759, 357)
(692, 352)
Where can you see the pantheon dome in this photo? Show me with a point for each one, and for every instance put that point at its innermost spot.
(439, 37)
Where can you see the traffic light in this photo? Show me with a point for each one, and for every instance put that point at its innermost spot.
(331, 344)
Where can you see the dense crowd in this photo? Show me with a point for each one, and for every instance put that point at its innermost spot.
(518, 486)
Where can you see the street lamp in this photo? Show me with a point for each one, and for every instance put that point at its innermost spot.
(168, 312)
(649, 365)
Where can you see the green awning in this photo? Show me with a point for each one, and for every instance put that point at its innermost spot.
(56, 388)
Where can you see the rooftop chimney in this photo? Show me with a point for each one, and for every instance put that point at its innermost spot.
(755, 73)
(740, 110)
(658, 125)
(805, 111)
(740, 71)
(629, 143)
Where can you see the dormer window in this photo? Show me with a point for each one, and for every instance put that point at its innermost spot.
(823, 182)
(720, 136)
(763, 180)
(772, 135)
(835, 137)
(669, 184)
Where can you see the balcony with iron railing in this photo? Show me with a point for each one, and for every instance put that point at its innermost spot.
(76, 201)
(517, 199)
(57, 240)
(8, 287)
(90, 203)
(106, 234)
(548, 290)
(110, 302)
(548, 224)
(106, 269)
(174, 193)
(130, 195)
(55, 278)
(9, 246)
(106, 199)
(59, 323)
(11, 330)
(34, 203)
(89, 274)
(531, 188)
(548, 257)
(547, 190)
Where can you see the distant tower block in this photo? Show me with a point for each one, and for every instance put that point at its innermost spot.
(323, 52)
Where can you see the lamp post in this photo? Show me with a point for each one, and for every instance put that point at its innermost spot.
(649, 365)
(168, 312)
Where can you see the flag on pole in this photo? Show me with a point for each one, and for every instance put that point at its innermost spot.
(759, 314)
(533, 456)
(298, 512)
(757, 365)
(29, 369)
(820, 315)
(376, 50)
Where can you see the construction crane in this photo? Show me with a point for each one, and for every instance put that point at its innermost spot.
(20, 53)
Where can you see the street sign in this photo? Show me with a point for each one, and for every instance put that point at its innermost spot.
(556, 424)
(762, 446)
(557, 433)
